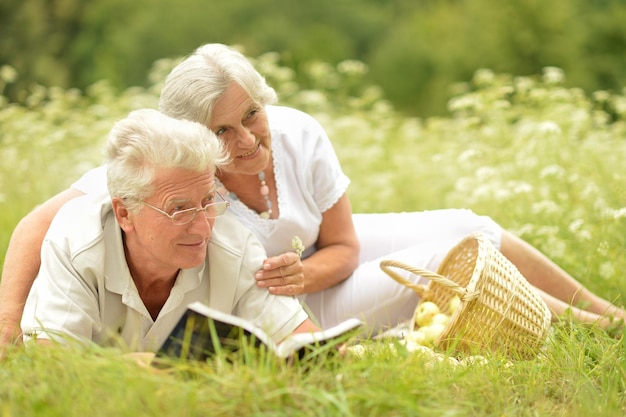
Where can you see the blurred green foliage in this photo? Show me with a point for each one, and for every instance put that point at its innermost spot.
(415, 50)
(440, 42)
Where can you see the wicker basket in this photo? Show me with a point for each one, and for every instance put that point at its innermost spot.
(499, 310)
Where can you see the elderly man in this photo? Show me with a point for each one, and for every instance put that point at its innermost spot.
(125, 274)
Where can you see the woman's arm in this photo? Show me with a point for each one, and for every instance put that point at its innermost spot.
(337, 256)
(307, 326)
(22, 262)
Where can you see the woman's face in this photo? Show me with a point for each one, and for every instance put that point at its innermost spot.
(242, 125)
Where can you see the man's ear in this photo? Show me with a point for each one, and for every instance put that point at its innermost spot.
(122, 214)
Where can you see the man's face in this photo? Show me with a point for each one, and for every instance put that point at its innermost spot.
(153, 242)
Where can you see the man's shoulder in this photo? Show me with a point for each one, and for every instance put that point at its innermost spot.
(230, 235)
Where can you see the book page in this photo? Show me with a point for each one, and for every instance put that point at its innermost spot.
(297, 341)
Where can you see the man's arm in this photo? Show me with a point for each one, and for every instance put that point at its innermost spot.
(21, 264)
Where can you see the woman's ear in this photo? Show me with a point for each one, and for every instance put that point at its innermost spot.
(122, 214)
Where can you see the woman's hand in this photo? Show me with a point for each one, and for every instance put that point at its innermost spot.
(282, 275)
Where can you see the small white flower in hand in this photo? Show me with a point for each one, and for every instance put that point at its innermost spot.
(296, 244)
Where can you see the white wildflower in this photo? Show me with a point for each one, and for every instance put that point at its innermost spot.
(319, 70)
(467, 155)
(520, 187)
(312, 98)
(484, 77)
(546, 207)
(553, 75)
(606, 270)
(485, 173)
(524, 83)
(576, 225)
(615, 214)
(556, 171)
(296, 244)
(352, 67)
(601, 96)
(619, 104)
(466, 102)
(603, 248)
(549, 127)
(8, 74)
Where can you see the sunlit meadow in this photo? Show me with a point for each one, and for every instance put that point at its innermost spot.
(543, 160)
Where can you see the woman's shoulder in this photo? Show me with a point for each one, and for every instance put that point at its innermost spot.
(284, 111)
(293, 127)
(94, 180)
(80, 223)
(282, 116)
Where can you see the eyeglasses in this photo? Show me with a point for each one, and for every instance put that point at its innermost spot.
(182, 217)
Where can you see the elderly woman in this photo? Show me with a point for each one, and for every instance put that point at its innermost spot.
(284, 180)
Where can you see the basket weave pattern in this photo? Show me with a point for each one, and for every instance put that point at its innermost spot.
(499, 310)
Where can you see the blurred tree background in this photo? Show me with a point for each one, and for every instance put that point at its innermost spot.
(418, 51)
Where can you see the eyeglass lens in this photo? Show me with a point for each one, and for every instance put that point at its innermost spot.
(210, 211)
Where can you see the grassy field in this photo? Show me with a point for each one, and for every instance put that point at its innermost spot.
(542, 160)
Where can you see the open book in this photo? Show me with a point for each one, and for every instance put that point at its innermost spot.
(203, 331)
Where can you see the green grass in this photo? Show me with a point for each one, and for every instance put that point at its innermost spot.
(543, 160)
(580, 374)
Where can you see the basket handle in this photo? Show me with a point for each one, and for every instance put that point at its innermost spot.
(463, 293)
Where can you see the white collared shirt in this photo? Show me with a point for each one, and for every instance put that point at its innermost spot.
(84, 289)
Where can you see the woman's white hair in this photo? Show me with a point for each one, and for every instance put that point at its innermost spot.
(147, 140)
(193, 86)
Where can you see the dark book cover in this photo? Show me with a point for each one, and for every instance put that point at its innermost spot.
(202, 332)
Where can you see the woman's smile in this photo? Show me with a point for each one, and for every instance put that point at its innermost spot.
(251, 154)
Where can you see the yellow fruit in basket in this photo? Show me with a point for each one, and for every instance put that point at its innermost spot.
(426, 353)
(415, 337)
(424, 313)
(409, 345)
(357, 351)
(431, 332)
(455, 302)
(440, 318)
(474, 360)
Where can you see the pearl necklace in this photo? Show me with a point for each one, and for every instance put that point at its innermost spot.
(265, 192)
